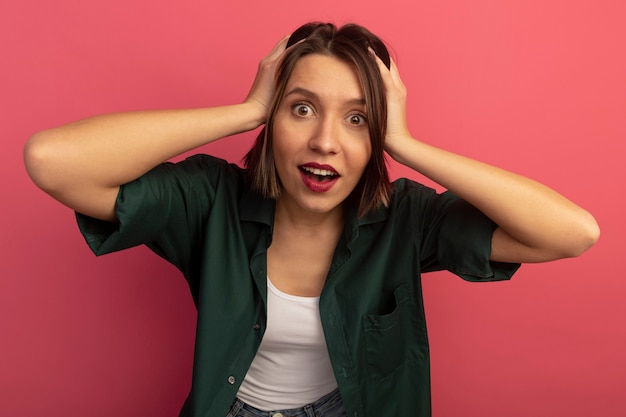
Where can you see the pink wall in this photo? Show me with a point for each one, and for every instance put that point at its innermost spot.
(535, 86)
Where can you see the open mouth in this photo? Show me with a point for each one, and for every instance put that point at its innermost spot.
(319, 175)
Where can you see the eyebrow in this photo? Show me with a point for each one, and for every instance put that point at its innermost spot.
(311, 95)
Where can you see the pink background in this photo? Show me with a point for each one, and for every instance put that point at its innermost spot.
(537, 86)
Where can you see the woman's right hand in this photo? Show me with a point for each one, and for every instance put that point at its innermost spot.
(262, 90)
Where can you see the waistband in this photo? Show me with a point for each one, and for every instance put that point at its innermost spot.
(331, 402)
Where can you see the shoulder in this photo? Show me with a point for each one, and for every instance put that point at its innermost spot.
(417, 206)
(410, 203)
(412, 193)
(203, 163)
(195, 183)
(403, 186)
(197, 171)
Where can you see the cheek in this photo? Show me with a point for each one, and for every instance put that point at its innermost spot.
(282, 149)
(278, 142)
(362, 152)
(282, 131)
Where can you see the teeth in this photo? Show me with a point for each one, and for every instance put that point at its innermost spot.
(320, 172)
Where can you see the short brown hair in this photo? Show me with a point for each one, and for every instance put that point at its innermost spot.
(349, 43)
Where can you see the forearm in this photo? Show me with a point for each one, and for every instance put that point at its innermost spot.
(116, 148)
(91, 158)
(537, 223)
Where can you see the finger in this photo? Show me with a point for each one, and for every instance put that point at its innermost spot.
(391, 75)
(381, 65)
(382, 68)
(279, 48)
(395, 74)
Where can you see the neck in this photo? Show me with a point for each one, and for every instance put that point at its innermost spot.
(296, 218)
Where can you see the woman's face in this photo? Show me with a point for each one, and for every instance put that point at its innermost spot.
(321, 138)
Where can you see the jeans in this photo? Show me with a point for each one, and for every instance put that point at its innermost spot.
(330, 405)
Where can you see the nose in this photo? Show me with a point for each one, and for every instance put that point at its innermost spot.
(325, 137)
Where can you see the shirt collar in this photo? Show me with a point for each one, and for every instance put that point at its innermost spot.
(354, 222)
(255, 208)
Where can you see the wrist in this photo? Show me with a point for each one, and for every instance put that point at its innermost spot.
(398, 147)
(255, 113)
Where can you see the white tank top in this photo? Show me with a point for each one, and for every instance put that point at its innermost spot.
(291, 368)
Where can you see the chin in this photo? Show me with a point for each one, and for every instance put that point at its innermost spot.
(319, 207)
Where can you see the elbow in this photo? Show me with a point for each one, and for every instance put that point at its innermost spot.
(587, 234)
(39, 161)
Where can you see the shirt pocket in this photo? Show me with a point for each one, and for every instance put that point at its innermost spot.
(395, 339)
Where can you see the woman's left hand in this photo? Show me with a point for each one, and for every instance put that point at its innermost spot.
(396, 93)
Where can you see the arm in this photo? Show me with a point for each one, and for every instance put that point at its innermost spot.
(535, 223)
(83, 164)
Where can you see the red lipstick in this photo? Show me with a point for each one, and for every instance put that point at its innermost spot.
(318, 178)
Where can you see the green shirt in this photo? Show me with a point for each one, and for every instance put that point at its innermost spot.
(201, 216)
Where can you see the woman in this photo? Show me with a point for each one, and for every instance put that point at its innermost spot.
(305, 266)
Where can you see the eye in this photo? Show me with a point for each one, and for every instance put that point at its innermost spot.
(302, 109)
(357, 119)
